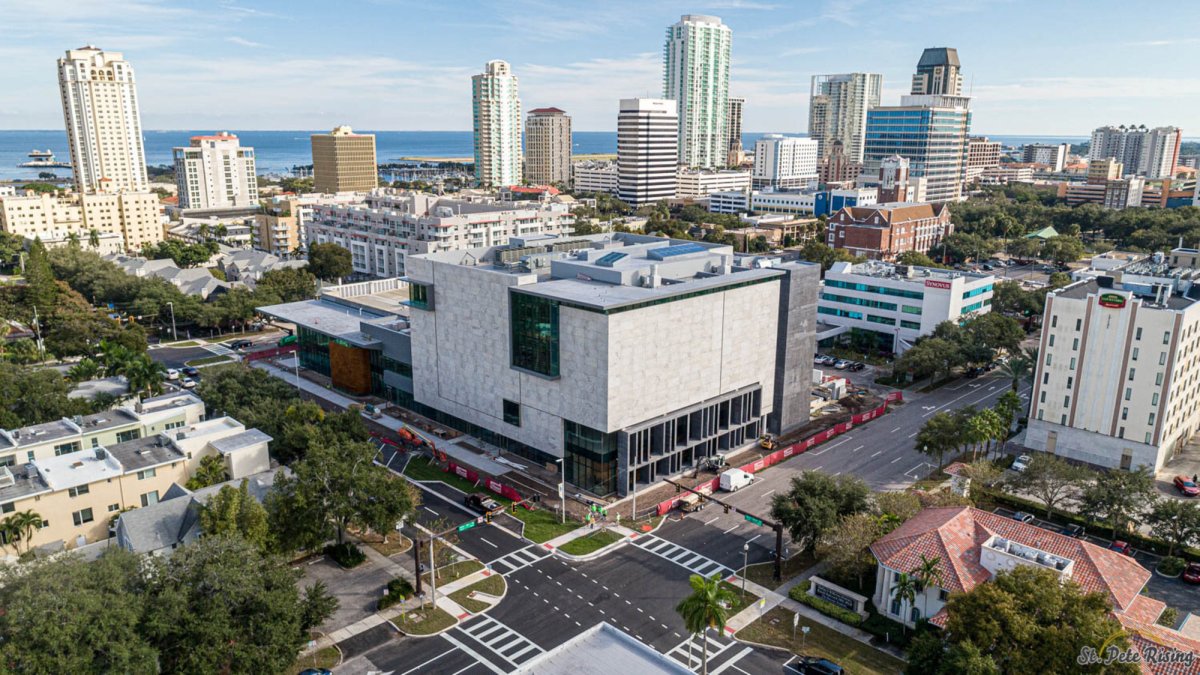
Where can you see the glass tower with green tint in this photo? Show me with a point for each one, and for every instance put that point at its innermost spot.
(696, 75)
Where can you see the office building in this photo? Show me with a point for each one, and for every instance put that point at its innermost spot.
(1002, 174)
(696, 60)
(931, 132)
(1118, 375)
(1117, 193)
(938, 73)
(899, 303)
(547, 147)
(104, 127)
(699, 183)
(733, 130)
(344, 161)
(810, 202)
(78, 473)
(215, 172)
(1150, 153)
(629, 357)
(837, 111)
(136, 217)
(647, 150)
(592, 177)
(884, 231)
(785, 162)
(894, 182)
(982, 154)
(496, 114)
(1054, 156)
(1102, 170)
(389, 224)
(837, 168)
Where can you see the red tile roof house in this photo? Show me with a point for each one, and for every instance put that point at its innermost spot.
(972, 545)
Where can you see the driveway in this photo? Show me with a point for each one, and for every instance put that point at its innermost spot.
(357, 589)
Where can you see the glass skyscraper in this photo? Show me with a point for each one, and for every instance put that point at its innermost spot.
(931, 132)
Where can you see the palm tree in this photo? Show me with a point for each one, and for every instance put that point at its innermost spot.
(203, 231)
(1017, 369)
(905, 591)
(73, 239)
(145, 374)
(24, 523)
(707, 607)
(9, 535)
(115, 357)
(926, 574)
(94, 238)
(86, 369)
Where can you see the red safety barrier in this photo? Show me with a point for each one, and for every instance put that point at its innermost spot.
(794, 449)
(268, 353)
(506, 491)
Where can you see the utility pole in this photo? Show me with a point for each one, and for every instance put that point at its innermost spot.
(37, 329)
(750, 518)
(174, 335)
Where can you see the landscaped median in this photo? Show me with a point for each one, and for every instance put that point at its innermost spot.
(775, 629)
(590, 543)
(493, 585)
(424, 620)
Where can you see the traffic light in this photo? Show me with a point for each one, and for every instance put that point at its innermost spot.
(513, 507)
(676, 489)
(726, 508)
(536, 498)
(487, 517)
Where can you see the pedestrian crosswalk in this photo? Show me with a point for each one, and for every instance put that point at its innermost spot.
(519, 559)
(505, 642)
(684, 557)
(218, 349)
(690, 652)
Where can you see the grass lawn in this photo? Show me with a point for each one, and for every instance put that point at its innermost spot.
(421, 468)
(423, 621)
(185, 343)
(763, 574)
(208, 360)
(742, 602)
(543, 525)
(454, 571)
(493, 585)
(395, 543)
(322, 658)
(640, 526)
(591, 543)
(775, 628)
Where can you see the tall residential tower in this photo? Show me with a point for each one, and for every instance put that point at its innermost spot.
(696, 77)
(733, 129)
(496, 111)
(215, 172)
(547, 146)
(837, 111)
(104, 127)
(647, 151)
(1144, 152)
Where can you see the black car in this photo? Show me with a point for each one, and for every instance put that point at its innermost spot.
(241, 344)
(811, 665)
(482, 503)
(974, 372)
(857, 366)
(1072, 530)
(190, 371)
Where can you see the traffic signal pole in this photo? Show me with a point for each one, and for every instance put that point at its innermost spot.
(750, 518)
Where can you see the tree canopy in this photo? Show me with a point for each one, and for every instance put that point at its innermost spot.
(329, 261)
(815, 502)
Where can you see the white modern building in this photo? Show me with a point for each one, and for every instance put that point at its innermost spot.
(1118, 376)
(1149, 153)
(647, 150)
(496, 113)
(593, 176)
(388, 225)
(791, 203)
(696, 60)
(104, 127)
(1054, 156)
(699, 183)
(215, 172)
(899, 303)
(548, 146)
(785, 162)
(735, 201)
(837, 110)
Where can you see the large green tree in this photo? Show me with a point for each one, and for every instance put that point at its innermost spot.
(329, 262)
(1051, 480)
(234, 511)
(1118, 498)
(1175, 521)
(815, 502)
(705, 609)
(939, 435)
(286, 285)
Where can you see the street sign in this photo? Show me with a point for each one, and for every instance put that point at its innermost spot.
(796, 620)
(466, 526)
(752, 519)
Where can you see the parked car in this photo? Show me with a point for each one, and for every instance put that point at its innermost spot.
(988, 266)
(241, 344)
(841, 364)
(1073, 530)
(818, 359)
(1191, 573)
(1022, 517)
(974, 372)
(188, 383)
(172, 374)
(735, 479)
(1021, 463)
(828, 360)
(482, 503)
(1186, 486)
(812, 665)
(190, 371)
(857, 366)
(1122, 547)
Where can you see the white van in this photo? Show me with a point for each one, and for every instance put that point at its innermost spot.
(735, 479)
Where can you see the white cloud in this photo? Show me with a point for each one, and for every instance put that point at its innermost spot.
(740, 4)
(243, 41)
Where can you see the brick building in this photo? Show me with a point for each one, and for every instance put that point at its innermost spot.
(884, 231)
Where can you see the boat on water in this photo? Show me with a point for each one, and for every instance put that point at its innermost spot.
(43, 159)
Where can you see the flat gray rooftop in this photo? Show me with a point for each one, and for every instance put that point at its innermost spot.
(19, 486)
(329, 318)
(1082, 289)
(238, 441)
(611, 296)
(142, 453)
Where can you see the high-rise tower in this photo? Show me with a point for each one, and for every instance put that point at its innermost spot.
(696, 77)
(837, 111)
(938, 72)
(496, 111)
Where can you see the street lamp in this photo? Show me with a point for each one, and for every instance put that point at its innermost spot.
(174, 335)
(745, 566)
(562, 485)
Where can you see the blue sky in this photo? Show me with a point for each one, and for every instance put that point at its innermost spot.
(1035, 67)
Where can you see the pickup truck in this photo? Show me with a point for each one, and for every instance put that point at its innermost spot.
(482, 503)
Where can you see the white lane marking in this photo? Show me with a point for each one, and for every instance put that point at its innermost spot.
(913, 434)
(830, 447)
(428, 662)
(732, 529)
(639, 609)
(895, 430)
(474, 654)
(753, 538)
(858, 448)
(710, 522)
(819, 468)
(488, 542)
(730, 662)
(664, 626)
(877, 454)
(463, 670)
(768, 492)
(897, 460)
(431, 510)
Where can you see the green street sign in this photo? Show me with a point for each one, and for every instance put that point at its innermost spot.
(466, 526)
(752, 519)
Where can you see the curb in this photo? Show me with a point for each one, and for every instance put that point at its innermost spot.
(623, 541)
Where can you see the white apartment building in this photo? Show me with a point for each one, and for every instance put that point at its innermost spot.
(698, 183)
(104, 127)
(136, 217)
(215, 172)
(388, 225)
(899, 303)
(547, 146)
(1118, 377)
(1055, 156)
(736, 201)
(837, 110)
(794, 203)
(496, 113)
(782, 162)
(1150, 153)
(647, 150)
(696, 60)
(595, 177)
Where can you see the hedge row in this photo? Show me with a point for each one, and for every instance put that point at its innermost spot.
(398, 590)
(799, 593)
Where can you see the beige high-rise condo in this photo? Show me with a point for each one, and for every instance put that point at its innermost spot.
(496, 113)
(548, 146)
(344, 161)
(104, 128)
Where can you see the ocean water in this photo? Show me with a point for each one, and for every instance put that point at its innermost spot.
(277, 152)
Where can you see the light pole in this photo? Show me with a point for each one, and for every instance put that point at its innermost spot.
(174, 335)
(562, 488)
(745, 566)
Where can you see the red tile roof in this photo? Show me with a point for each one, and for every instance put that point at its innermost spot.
(955, 535)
